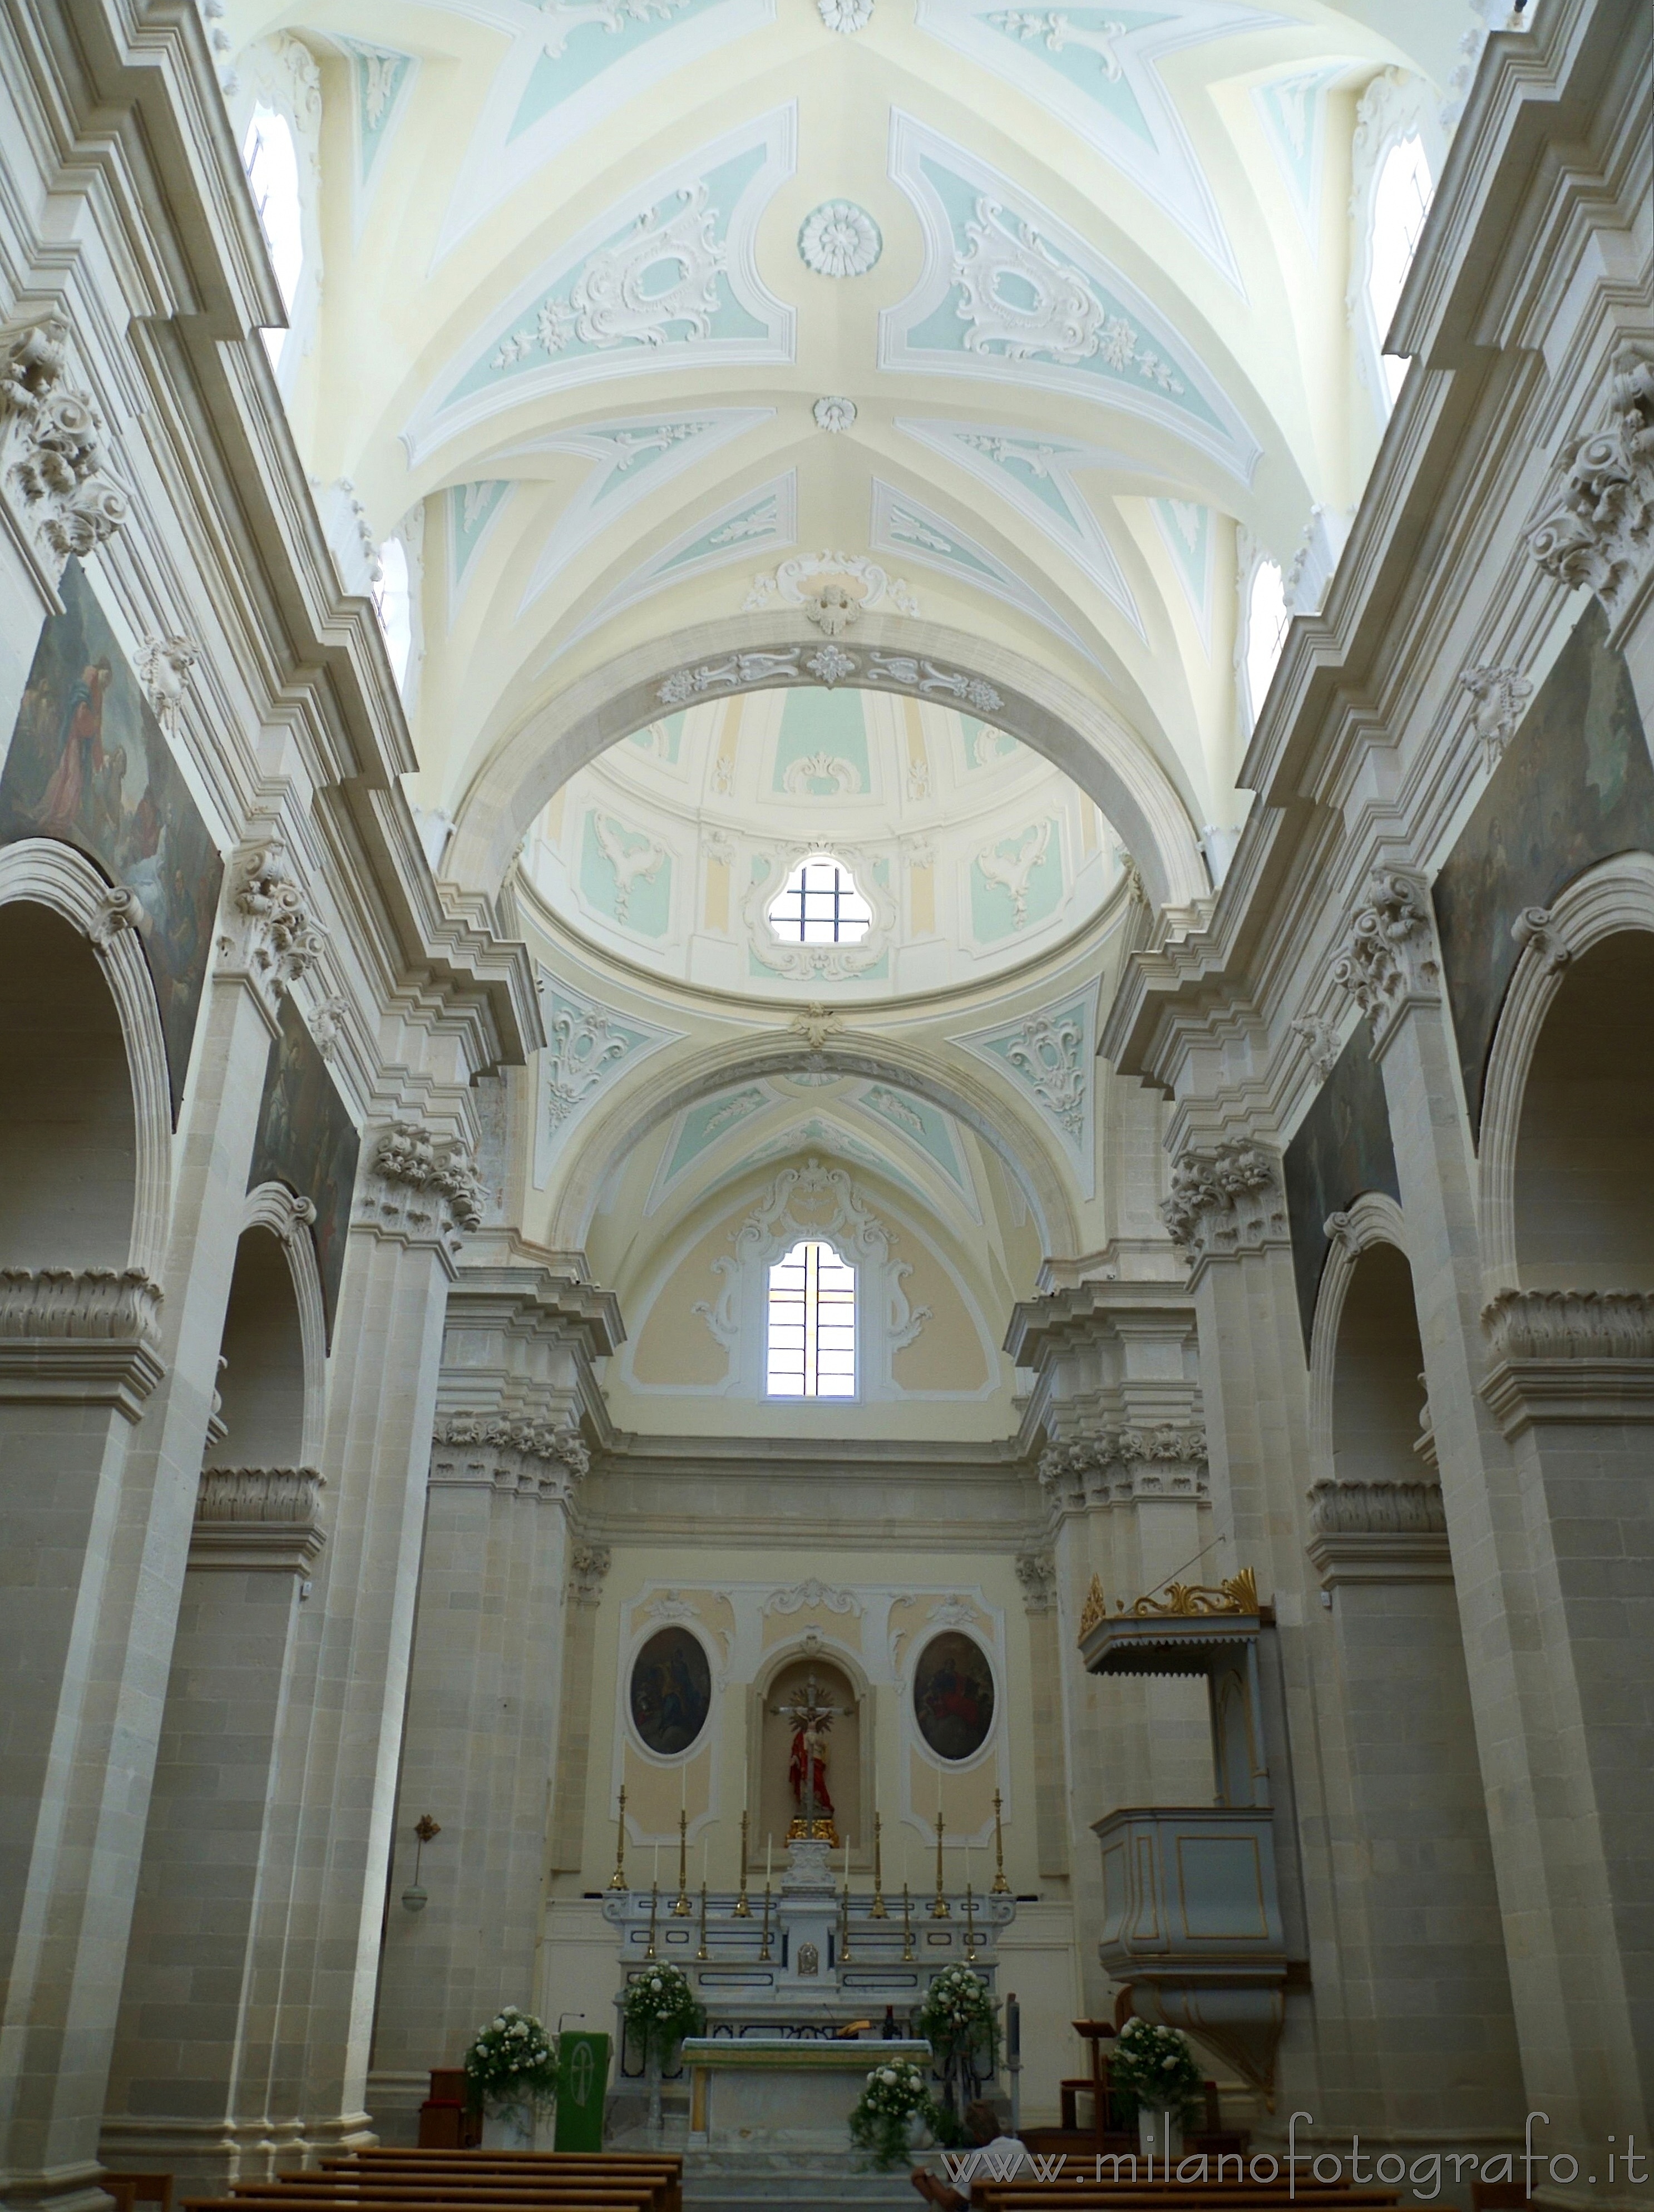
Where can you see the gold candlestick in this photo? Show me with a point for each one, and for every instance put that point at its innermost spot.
(743, 1910)
(970, 1923)
(1002, 1887)
(844, 1926)
(763, 1948)
(939, 1909)
(702, 1952)
(617, 1879)
(878, 1911)
(907, 1929)
(654, 1906)
(680, 1904)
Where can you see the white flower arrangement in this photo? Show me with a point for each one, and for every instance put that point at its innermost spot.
(894, 2092)
(512, 2062)
(1155, 2067)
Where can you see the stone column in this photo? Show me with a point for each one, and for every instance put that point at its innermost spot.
(105, 1511)
(1558, 1679)
(317, 1967)
(484, 1695)
(1124, 1475)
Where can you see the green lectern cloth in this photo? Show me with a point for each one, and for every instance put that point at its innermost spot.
(582, 2082)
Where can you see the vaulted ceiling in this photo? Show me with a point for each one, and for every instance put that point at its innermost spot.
(642, 298)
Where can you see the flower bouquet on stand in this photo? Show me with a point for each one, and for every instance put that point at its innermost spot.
(957, 2020)
(660, 2007)
(511, 2075)
(1155, 2069)
(883, 2122)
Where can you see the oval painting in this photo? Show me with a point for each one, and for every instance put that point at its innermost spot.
(671, 1690)
(953, 1695)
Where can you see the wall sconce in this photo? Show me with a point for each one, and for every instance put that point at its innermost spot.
(414, 1898)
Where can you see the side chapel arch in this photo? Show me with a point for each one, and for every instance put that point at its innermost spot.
(55, 879)
(757, 652)
(1613, 900)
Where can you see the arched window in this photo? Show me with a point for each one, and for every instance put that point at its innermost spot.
(393, 601)
(1401, 201)
(811, 1347)
(1266, 618)
(819, 904)
(271, 162)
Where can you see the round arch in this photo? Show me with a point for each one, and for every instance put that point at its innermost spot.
(759, 652)
(43, 873)
(628, 1121)
(1373, 1218)
(1613, 899)
(273, 1207)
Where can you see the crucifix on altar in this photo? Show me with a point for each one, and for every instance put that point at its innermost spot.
(812, 1718)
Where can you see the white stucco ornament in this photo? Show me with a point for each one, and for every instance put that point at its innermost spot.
(839, 239)
(845, 15)
(834, 413)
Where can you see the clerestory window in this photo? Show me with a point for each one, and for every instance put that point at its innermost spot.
(1266, 620)
(819, 904)
(271, 162)
(392, 599)
(1401, 201)
(810, 1351)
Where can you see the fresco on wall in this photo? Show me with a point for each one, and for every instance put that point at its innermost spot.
(953, 1695)
(88, 765)
(671, 1690)
(308, 1140)
(1342, 1147)
(1575, 786)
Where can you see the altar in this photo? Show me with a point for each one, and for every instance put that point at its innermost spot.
(778, 2093)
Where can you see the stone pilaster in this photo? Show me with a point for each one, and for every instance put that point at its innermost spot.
(1038, 1573)
(1124, 1477)
(416, 1195)
(188, 2086)
(1537, 1696)
(588, 1568)
(106, 1397)
(1227, 1213)
(481, 1753)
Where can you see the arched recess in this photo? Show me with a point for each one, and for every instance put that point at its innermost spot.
(1372, 1223)
(274, 1339)
(1366, 1363)
(86, 1092)
(1568, 1128)
(629, 1117)
(821, 1652)
(757, 652)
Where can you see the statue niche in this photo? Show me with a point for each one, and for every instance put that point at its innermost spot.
(810, 1758)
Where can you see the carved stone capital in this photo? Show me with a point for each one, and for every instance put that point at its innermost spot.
(421, 1188)
(588, 1564)
(1534, 930)
(1378, 1532)
(515, 1454)
(262, 1517)
(1225, 1202)
(1570, 1356)
(270, 934)
(52, 451)
(1388, 961)
(1037, 1572)
(79, 1336)
(1126, 1467)
(1597, 528)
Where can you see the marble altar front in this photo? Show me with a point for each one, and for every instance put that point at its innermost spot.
(778, 2093)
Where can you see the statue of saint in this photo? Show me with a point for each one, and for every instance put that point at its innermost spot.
(806, 1773)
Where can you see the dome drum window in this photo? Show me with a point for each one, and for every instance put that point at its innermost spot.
(810, 1348)
(820, 904)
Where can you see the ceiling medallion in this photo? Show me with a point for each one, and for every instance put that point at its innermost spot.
(832, 588)
(834, 413)
(846, 15)
(839, 239)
